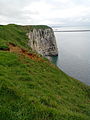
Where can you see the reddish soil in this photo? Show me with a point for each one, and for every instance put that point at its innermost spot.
(16, 49)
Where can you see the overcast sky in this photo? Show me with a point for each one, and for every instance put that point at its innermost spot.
(48, 12)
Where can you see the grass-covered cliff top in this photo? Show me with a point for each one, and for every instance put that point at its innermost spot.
(32, 88)
(31, 27)
(16, 34)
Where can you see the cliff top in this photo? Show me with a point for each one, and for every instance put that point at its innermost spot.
(28, 27)
(17, 34)
(38, 27)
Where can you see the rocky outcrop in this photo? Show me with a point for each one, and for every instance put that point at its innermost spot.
(43, 41)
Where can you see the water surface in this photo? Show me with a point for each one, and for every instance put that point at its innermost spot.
(74, 54)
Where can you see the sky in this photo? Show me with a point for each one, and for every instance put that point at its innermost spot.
(46, 12)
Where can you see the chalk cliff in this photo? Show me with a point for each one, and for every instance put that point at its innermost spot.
(43, 41)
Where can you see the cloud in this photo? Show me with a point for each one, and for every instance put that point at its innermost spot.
(51, 12)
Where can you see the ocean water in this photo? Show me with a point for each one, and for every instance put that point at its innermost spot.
(74, 53)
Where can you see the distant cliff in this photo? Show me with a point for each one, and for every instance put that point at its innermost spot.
(43, 41)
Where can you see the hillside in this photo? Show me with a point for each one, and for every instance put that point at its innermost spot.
(32, 88)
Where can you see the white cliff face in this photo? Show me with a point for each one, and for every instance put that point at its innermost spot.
(43, 41)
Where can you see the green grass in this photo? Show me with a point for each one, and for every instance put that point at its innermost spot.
(13, 34)
(35, 90)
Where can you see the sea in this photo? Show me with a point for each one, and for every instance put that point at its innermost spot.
(73, 45)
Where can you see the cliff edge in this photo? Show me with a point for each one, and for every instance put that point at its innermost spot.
(43, 41)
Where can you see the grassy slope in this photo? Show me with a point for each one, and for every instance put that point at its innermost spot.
(36, 90)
